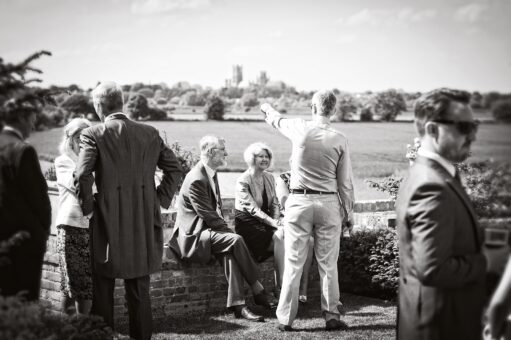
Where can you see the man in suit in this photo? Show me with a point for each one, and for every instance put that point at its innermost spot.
(201, 232)
(321, 201)
(442, 267)
(24, 206)
(126, 231)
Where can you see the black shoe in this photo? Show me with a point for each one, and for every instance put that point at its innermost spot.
(242, 312)
(285, 328)
(261, 299)
(334, 325)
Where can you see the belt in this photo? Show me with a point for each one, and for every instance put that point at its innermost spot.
(312, 192)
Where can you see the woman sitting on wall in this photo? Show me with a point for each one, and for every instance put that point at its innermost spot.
(72, 226)
(257, 210)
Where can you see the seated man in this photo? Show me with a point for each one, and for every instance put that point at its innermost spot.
(200, 230)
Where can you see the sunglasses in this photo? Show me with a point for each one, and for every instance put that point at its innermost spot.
(463, 127)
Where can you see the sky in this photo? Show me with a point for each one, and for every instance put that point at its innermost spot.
(351, 45)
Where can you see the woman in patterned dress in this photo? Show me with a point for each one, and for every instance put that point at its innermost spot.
(72, 226)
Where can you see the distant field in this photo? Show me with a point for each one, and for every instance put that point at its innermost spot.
(377, 149)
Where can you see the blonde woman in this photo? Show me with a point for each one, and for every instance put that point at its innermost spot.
(72, 226)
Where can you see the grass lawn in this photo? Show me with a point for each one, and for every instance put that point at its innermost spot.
(367, 318)
(377, 149)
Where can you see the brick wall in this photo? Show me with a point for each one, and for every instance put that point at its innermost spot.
(176, 289)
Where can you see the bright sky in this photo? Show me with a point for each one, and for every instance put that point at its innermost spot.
(353, 45)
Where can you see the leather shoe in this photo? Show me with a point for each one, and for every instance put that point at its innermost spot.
(285, 328)
(334, 325)
(261, 299)
(242, 312)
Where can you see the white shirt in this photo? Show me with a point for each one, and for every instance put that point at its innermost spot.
(441, 160)
(211, 173)
(14, 130)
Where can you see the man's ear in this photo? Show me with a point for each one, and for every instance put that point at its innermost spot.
(431, 129)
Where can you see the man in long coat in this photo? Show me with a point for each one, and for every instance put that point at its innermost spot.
(126, 233)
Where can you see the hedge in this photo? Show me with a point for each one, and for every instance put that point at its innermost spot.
(369, 263)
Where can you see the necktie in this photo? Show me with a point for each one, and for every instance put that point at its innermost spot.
(217, 191)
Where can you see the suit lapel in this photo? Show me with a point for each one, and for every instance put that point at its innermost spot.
(460, 192)
(211, 192)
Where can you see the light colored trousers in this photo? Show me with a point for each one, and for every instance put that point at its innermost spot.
(302, 213)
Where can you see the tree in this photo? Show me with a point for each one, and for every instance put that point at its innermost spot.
(78, 104)
(146, 92)
(347, 105)
(16, 96)
(137, 106)
(502, 110)
(388, 104)
(214, 108)
(249, 100)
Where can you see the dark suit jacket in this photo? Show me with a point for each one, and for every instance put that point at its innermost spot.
(196, 217)
(442, 270)
(127, 236)
(24, 201)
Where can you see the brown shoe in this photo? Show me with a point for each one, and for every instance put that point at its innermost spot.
(242, 312)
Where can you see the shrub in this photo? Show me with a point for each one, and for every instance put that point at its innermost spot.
(389, 185)
(50, 174)
(187, 159)
(155, 113)
(249, 100)
(366, 114)
(21, 320)
(347, 105)
(146, 92)
(369, 263)
(501, 110)
(388, 104)
(78, 104)
(192, 98)
(137, 106)
(214, 108)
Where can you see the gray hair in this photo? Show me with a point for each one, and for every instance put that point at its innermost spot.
(325, 101)
(108, 95)
(75, 126)
(208, 143)
(253, 149)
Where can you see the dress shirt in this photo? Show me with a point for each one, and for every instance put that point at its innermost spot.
(115, 115)
(324, 165)
(14, 130)
(451, 169)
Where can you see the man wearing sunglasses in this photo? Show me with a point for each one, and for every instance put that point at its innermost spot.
(442, 267)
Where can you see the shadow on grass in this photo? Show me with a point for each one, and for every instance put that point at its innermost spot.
(197, 325)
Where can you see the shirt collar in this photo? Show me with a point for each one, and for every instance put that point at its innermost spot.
(211, 173)
(321, 120)
(14, 131)
(116, 115)
(439, 159)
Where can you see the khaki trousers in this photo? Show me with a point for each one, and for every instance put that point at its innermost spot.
(302, 213)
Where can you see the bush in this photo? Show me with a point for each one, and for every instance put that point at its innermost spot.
(187, 159)
(214, 108)
(501, 110)
(369, 263)
(389, 185)
(157, 114)
(249, 100)
(78, 104)
(388, 104)
(137, 106)
(21, 320)
(366, 114)
(347, 105)
(146, 92)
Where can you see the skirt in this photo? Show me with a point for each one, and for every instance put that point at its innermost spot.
(257, 235)
(74, 261)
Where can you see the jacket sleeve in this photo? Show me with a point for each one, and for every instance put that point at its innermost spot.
(64, 170)
(84, 171)
(433, 232)
(249, 205)
(172, 175)
(203, 208)
(34, 187)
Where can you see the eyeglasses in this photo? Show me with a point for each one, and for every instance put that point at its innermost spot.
(464, 127)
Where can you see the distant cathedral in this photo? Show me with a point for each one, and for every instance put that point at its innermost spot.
(237, 76)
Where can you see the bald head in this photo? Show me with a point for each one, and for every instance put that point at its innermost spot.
(323, 103)
(107, 98)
